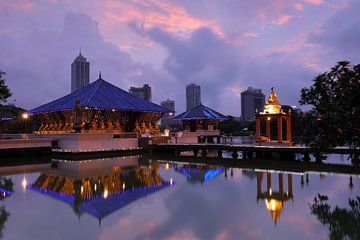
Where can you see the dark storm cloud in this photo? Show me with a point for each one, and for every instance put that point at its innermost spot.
(38, 62)
(339, 35)
(203, 59)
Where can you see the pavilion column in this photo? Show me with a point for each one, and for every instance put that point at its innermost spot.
(258, 129)
(268, 182)
(290, 184)
(280, 129)
(288, 129)
(268, 128)
(281, 183)
(259, 183)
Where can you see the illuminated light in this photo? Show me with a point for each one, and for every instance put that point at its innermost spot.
(268, 118)
(106, 193)
(273, 205)
(95, 187)
(123, 186)
(167, 166)
(25, 116)
(270, 191)
(24, 183)
(171, 181)
(82, 189)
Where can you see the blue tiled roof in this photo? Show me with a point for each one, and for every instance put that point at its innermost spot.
(200, 112)
(100, 95)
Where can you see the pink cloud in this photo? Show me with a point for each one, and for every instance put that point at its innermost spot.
(20, 5)
(315, 2)
(298, 6)
(282, 19)
(168, 16)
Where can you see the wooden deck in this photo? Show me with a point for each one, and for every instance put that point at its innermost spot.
(248, 150)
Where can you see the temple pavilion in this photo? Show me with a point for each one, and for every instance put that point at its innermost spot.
(273, 112)
(200, 121)
(98, 107)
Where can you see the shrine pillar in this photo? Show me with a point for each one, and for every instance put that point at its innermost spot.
(280, 133)
(258, 129)
(268, 128)
(288, 129)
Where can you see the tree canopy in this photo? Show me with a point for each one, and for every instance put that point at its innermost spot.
(4, 90)
(335, 97)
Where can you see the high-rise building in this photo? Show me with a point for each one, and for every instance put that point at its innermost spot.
(251, 99)
(193, 96)
(167, 120)
(143, 92)
(168, 104)
(80, 72)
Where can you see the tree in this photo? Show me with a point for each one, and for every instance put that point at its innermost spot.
(4, 90)
(343, 223)
(335, 97)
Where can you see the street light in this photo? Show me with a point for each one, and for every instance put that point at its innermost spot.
(25, 115)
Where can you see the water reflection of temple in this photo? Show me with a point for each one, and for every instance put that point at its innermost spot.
(102, 194)
(199, 173)
(274, 200)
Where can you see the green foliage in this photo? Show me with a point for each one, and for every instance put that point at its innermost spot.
(343, 223)
(231, 126)
(4, 90)
(335, 97)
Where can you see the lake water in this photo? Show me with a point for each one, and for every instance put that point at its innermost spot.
(124, 198)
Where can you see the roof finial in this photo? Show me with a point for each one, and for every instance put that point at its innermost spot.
(80, 51)
(99, 74)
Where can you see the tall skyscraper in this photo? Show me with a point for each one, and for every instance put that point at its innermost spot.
(193, 96)
(168, 118)
(80, 72)
(251, 99)
(168, 104)
(143, 92)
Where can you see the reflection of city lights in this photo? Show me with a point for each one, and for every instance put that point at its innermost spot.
(167, 166)
(24, 183)
(123, 186)
(106, 193)
(82, 189)
(25, 116)
(270, 191)
(171, 181)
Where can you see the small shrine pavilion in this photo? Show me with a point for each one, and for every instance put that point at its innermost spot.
(98, 107)
(273, 111)
(200, 121)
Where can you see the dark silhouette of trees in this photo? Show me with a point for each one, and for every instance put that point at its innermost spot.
(6, 184)
(335, 97)
(4, 90)
(343, 223)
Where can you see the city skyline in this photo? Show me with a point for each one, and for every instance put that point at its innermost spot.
(284, 45)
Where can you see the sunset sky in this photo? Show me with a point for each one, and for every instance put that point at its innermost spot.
(224, 46)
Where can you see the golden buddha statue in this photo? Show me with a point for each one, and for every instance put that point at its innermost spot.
(102, 124)
(60, 126)
(118, 125)
(109, 125)
(94, 125)
(41, 127)
(143, 127)
(272, 105)
(150, 127)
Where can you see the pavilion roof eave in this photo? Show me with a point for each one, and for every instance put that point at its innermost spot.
(92, 108)
(200, 118)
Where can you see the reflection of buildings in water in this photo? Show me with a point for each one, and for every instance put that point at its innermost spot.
(101, 195)
(274, 200)
(199, 173)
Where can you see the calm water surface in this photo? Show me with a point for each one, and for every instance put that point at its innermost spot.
(124, 198)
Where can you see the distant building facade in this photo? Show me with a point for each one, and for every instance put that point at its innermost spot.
(167, 119)
(251, 99)
(193, 96)
(143, 92)
(80, 73)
